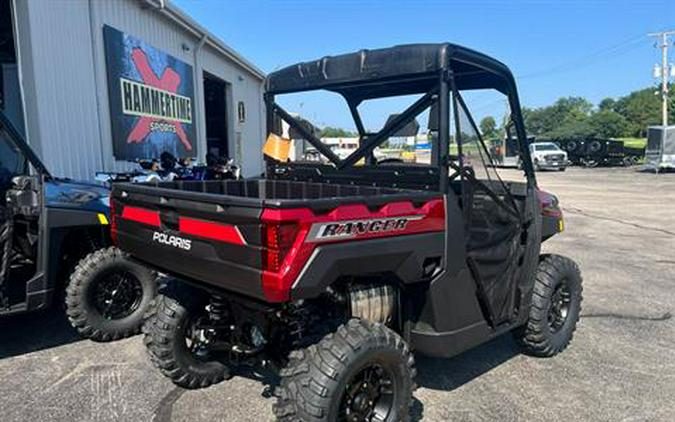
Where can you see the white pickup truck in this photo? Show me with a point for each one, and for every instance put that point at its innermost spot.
(547, 155)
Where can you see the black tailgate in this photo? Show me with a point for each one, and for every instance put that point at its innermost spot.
(210, 242)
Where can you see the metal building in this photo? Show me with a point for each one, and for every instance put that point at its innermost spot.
(95, 84)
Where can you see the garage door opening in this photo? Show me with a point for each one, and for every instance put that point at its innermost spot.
(10, 91)
(215, 108)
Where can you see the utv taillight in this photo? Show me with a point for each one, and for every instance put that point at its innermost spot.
(279, 239)
(549, 204)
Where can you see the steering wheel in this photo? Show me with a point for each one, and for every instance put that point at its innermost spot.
(390, 161)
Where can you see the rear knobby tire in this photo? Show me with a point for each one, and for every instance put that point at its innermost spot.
(315, 382)
(550, 326)
(83, 301)
(166, 334)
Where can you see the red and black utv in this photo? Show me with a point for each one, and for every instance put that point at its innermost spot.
(336, 271)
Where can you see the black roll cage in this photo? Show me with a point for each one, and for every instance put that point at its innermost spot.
(12, 134)
(443, 69)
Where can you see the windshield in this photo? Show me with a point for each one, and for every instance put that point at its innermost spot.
(546, 147)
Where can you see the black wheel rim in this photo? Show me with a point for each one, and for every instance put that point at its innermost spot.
(369, 395)
(117, 295)
(559, 308)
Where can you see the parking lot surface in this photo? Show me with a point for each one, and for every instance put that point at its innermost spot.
(620, 366)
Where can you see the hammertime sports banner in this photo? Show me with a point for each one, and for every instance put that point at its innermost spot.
(151, 97)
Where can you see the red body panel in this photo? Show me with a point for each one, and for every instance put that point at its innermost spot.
(277, 284)
(206, 229)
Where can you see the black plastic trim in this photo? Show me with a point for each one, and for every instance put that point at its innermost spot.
(402, 256)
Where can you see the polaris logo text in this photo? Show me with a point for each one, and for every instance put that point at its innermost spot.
(354, 228)
(175, 241)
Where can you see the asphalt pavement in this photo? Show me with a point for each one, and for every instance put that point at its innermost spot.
(620, 228)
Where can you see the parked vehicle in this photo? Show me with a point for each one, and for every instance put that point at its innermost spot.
(633, 156)
(335, 272)
(47, 227)
(660, 153)
(593, 152)
(603, 152)
(219, 168)
(574, 147)
(547, 156)
(506, 152)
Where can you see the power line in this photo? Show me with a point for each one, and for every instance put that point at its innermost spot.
(615, 50)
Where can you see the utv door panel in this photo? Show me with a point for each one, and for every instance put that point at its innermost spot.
(450, 318)
(493, 219)
(493, 245)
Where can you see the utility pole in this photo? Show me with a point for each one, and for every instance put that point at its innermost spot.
(665, 72)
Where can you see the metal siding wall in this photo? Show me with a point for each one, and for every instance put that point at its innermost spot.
(70, 81)
(63, 84)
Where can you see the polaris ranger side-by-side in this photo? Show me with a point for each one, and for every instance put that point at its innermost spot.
(54, 236)
(336, 272)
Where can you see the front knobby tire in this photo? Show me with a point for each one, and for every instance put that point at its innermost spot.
(108, 296)
(555, 307)
(175, 344)
(362, 371)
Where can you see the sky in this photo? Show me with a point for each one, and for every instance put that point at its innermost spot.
(592, 48)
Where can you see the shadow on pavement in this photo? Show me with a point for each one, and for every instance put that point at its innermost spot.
(33, 332)
(450, 374)
(433, 373)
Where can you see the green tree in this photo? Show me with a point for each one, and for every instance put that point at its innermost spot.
(488, 126)
(607, 123)
(621, 117)
(335, 132)
(607, 104)
(643, 108)
(559, 117)
(572, 126)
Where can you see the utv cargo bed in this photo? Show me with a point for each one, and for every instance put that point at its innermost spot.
(255, 236)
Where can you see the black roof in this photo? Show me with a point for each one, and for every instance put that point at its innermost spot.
(406, 69)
